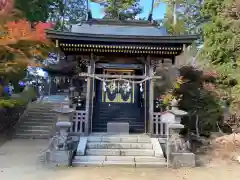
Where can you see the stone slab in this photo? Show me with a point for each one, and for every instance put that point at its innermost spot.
(130, 139)
(157, 147)
(150, 164)
(143, 139)
(59, 157)
(137, 152)
(90, 158)
(103, 152)
(94, 138)
(183, 160)
(118, 128)
(148, 159)
(120, 158)
(119, 163)
(105, 145)
(82, 146)
(113, 139)
(88, 163)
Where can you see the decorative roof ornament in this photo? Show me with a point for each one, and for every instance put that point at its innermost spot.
(150, 16)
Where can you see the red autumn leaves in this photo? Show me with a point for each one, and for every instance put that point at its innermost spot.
(5, 6)
(14, 31)
(22, 30)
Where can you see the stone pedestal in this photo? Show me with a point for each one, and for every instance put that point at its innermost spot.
(118, 128)
(183, 159)
(59, 157)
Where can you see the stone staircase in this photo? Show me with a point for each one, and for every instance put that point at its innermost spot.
(119, 150)
(38, 120)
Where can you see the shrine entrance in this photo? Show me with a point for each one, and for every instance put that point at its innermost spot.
(118, 100)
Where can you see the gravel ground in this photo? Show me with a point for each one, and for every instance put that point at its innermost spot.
(18, 161)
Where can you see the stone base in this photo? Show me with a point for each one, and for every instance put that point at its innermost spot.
(118, 128)
(183, 159)
(59, 157)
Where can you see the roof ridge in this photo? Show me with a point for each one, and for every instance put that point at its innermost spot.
(119, 22)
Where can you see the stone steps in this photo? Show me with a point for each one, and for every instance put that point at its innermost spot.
(118, 150)
(105, 145)
(35, 127)
(119, 138)
(31, 135)
(37, 122)
(126, 161)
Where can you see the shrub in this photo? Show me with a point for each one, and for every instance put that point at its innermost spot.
(22, 99)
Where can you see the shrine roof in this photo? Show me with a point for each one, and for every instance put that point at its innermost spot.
(122, 28)
(120, 31)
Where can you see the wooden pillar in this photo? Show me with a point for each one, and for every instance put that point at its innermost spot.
(89, 95)
(151, 96)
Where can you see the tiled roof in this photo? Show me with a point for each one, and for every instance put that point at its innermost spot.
(127, 28)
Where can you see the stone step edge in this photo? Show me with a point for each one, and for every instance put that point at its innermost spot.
(120, 140)
(118, 149)
(120, 158)
(119, 163)
(91, 143)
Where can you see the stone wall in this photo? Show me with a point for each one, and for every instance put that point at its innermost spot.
(9, 118)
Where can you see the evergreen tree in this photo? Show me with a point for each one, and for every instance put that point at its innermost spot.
(182, 16)
(221, 32)
(34, 10)
(120, 9)
(65, 13)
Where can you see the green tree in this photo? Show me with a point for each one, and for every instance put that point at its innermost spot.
(120, 9)
(182, 16)
(222, 31)
(65, 13)
(34, 10)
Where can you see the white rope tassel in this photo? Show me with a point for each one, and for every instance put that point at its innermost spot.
(141, 87)
(104, 86)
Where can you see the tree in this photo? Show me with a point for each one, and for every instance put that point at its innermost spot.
(65, 13)
(182, 16)
(20, 44)
(120, 9)
(34, 10)
(222, 31)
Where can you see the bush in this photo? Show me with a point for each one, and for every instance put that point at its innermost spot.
(199, 96)
(22, 99)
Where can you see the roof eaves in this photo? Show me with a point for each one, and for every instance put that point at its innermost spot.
(101, 37)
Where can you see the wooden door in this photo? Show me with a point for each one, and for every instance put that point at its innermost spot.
(118, 91)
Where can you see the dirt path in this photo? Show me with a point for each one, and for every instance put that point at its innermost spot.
(18, 162)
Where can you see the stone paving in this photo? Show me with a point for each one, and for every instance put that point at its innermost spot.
(18, 162)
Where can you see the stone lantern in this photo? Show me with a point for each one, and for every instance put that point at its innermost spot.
(61, 154)
(64, 118)
(177, 149)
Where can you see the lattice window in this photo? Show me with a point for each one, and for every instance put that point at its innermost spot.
(159, 128)
(78, 122)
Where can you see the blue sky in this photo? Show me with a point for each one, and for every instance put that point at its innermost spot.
(145, 4)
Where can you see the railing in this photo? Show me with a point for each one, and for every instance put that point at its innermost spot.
(159, 128)
(78, 122)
